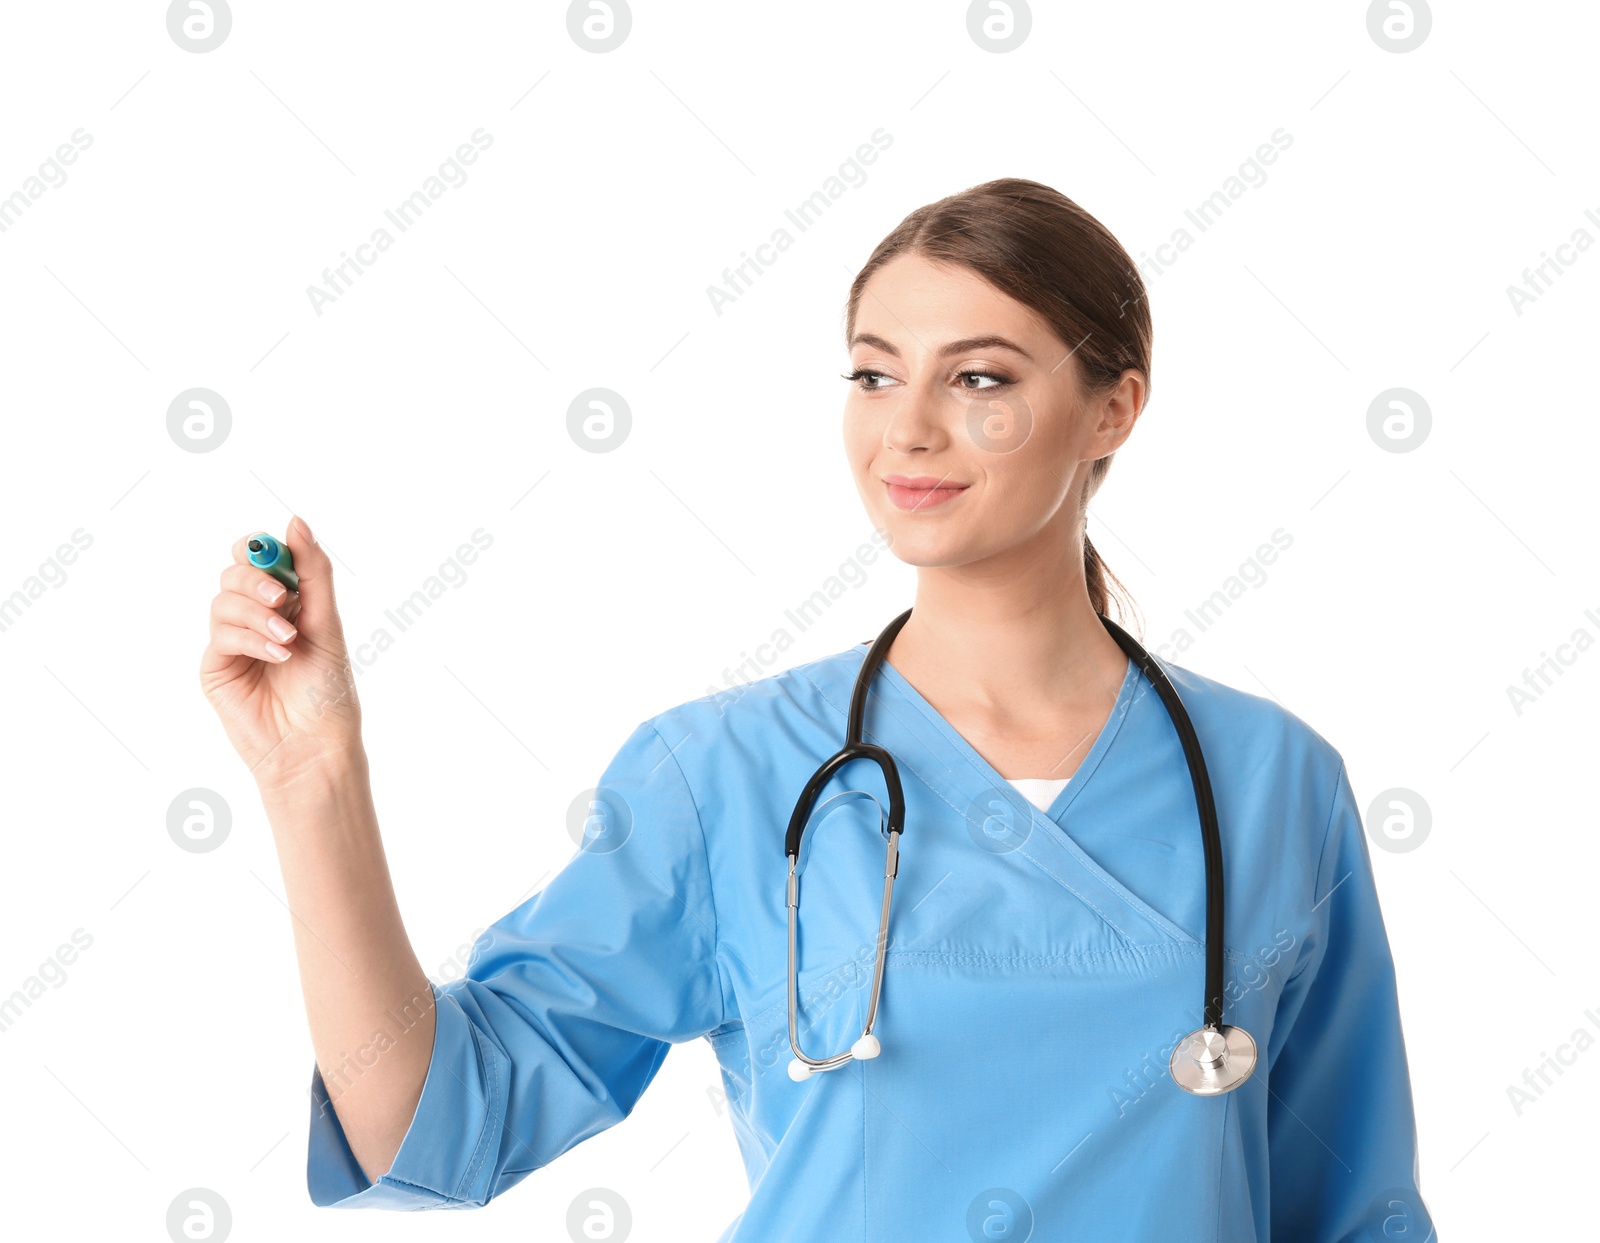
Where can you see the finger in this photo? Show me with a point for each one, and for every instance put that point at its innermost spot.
(257, 584)
(234, 609)
(319, 612)
(229, 640)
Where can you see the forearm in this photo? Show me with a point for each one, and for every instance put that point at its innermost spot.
(368, 1002)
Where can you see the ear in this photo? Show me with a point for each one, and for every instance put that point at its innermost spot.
(1118, 410)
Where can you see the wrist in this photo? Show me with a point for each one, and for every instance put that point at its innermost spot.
(313, 772)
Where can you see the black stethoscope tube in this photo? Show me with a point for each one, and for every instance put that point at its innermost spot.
(856, 748)
(1210, 834)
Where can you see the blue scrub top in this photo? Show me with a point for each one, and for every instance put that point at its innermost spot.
(1041, 966)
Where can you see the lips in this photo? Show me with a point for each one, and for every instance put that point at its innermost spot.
(921, 492)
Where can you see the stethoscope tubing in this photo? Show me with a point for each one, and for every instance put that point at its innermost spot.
(1212, 1033)
(1205, 804)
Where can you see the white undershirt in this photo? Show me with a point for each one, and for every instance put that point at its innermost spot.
(1040, 791)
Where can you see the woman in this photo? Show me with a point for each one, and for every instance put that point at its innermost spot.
(1045, 954)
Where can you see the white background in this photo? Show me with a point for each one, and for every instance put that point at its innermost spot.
(428, 400)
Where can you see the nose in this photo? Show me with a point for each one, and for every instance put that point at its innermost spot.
(921, 417)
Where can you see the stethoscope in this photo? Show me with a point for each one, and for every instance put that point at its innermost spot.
(1212, 1059)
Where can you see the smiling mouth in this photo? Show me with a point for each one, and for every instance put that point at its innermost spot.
(921, 494)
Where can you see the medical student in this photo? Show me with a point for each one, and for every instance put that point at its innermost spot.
(1045, 1057)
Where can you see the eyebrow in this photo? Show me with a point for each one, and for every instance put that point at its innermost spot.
(964, 346)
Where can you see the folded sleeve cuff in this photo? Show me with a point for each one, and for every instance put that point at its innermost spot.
(446, 1158)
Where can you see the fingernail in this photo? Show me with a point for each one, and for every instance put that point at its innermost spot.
(280, 628)
(276, 652)
(305, 529)
(271, 592)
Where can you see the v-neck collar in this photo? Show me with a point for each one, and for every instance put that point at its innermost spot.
(899, 718)
(1080, 777)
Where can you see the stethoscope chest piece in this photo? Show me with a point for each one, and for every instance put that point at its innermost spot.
(1212, 1060)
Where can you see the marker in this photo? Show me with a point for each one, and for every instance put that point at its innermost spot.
(272, 556)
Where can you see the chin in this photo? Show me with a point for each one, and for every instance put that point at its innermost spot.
(926, 549)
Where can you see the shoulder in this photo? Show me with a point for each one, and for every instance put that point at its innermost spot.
(1278, 784)
(1226, 717)
(811, 695)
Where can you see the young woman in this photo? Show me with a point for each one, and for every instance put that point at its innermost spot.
(1050, 1055)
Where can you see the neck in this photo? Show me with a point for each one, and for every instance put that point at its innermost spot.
(1019, 640)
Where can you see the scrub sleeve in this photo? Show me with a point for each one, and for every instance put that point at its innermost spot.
(1340, 1128)
(567, 1010)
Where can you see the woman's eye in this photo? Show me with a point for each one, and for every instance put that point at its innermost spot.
(862, 375)
(870, 381)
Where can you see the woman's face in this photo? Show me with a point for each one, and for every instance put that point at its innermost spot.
(967, 435)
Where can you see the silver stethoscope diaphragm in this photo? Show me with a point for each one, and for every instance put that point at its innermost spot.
(1212, 1060)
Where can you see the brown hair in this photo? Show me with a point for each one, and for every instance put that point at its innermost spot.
(1039, 247)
